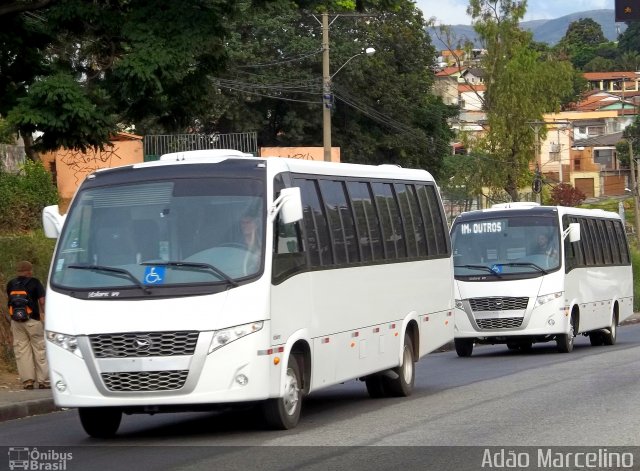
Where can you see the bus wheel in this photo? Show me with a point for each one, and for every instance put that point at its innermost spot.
(100, 422)
(283, 413)
(596, 338)
(464, 347)
(609, 337)
(565, 341)
(375, 386)
(402, 384)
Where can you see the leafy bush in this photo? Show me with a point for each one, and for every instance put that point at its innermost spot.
(23, 196)
(566, 195)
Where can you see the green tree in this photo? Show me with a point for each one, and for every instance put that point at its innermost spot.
(382, 110)
(629, 40)
(581, 41)
(600, 64)
(631, 134)
(23, 195)
(520, 89)
(106, 63)
(170, 66)
(629, 60)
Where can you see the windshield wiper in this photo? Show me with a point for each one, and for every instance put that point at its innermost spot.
(198, 265)
(525, 264)
(119, 271)
(480, 267)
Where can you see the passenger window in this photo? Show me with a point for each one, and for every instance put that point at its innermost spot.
(389, 214)
(343, 233)
(366, 221)
(316, 231)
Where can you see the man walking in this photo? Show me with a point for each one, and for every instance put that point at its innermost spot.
(26, 308)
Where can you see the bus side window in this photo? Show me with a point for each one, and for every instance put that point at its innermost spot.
(288, 249)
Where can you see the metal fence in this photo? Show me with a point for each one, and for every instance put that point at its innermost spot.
(157, 144)
(11, 158)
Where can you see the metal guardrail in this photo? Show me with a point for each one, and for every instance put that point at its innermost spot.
(157, 144)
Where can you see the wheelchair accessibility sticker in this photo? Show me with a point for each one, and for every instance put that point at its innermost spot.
(154, 275)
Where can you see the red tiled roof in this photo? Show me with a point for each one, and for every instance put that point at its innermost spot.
(463, 87)
(610, 75)
(450, 71)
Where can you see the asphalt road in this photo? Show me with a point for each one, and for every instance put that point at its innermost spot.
(496, 398)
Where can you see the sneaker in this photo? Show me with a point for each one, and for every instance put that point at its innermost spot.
(28, 385)
(44, 386)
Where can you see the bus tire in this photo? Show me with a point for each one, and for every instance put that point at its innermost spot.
(402, 384)
(100, 422)
(610, 335)
(596, 338)
(564, 342)
(464, 347)
(375, 386)
(283, 413)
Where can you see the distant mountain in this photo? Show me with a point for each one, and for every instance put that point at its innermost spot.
(547, 31)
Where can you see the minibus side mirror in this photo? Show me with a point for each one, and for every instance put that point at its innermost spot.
(573, 231)
(289, 205)
(52, 221)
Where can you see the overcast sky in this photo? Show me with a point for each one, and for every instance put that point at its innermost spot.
(454, 12)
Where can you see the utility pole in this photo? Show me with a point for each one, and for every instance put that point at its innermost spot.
(326, 89)
(327, 96)
(536, 125)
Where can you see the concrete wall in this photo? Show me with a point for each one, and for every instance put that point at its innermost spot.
(304, 153)
(71, 167)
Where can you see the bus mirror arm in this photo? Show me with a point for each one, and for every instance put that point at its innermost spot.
(288, 204)
(573, 231)
(52, 221)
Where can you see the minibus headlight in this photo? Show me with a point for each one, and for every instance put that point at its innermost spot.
(226, 336)
(459, 304)
(548, 297)
(68, 342)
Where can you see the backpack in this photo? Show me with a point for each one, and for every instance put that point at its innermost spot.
(19, 301)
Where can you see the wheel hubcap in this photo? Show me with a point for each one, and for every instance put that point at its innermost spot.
(291, 393)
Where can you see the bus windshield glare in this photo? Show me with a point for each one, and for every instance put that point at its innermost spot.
(162, 233)
(506, 245)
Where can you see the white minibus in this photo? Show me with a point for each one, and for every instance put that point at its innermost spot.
(213, 277)
(527, 273)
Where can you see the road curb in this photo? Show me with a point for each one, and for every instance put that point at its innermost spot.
(26, 409)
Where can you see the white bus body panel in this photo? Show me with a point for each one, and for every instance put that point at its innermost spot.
(347, 314)
(211, 377)
(595, 291)
(353, 320)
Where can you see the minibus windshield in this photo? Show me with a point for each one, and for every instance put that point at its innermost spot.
(185, 231)
(505, 245)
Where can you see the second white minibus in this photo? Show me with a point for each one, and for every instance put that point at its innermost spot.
(211, 277)
(527, 273)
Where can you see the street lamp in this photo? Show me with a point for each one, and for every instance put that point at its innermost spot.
(327, 98)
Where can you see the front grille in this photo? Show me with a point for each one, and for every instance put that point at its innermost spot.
(145, 381)
(143, 344)
(498, 304)
(505, 323)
